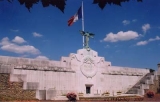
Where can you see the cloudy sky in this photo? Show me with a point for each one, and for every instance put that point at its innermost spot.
(127, 36)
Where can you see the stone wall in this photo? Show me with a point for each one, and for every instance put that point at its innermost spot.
(158, 84)
(154, 87)
(71, 74)
(13, 90)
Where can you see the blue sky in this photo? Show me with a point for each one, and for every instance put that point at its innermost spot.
(126, 35)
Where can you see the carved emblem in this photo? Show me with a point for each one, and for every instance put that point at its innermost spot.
(88, 68)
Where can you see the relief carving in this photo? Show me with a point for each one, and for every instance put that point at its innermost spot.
(88, 68)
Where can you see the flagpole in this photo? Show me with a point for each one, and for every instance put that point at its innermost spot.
(82, 23)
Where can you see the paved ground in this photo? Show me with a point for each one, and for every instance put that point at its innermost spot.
(154, 99)
(80, 101)
(86, 101)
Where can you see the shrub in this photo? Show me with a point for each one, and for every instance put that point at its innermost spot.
(150, 94)
(71, 96)
(105, 93)
(119, 92)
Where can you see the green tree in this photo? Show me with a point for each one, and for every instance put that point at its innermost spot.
(60, 4)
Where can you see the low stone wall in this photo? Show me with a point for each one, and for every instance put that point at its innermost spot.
(158, 91)
(154, 87)
(10, 91)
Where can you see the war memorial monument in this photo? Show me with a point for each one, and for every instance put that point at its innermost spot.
(84, 73)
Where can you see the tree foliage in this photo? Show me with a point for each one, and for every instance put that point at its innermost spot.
(60, 4)
(102, 3)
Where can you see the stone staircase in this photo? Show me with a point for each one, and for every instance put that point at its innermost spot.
(143, 84)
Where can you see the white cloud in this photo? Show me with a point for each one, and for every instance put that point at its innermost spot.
(153, 39)
(134, 20)
(121, 36)
(7, 45)
(146, 27)
(142, 43)
(20, 49)
(147, 41)
(126, 22)
(42, 57)
(107, 46)
(5, 41)
(18, 40)
(35, 34)
(14, 30)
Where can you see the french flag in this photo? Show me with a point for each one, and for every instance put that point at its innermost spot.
(76, 17)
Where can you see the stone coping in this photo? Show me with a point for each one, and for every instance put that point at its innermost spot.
(57, 70)
(123, 73)
(35, 67)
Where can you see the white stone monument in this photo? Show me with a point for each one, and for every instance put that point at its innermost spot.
(82, 72)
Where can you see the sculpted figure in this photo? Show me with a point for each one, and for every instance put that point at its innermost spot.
(86, 35)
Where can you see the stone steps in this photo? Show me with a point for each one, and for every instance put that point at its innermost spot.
(139, 87)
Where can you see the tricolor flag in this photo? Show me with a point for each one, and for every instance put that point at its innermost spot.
(76, 17)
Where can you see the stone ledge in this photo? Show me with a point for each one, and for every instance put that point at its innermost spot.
(46, 70)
